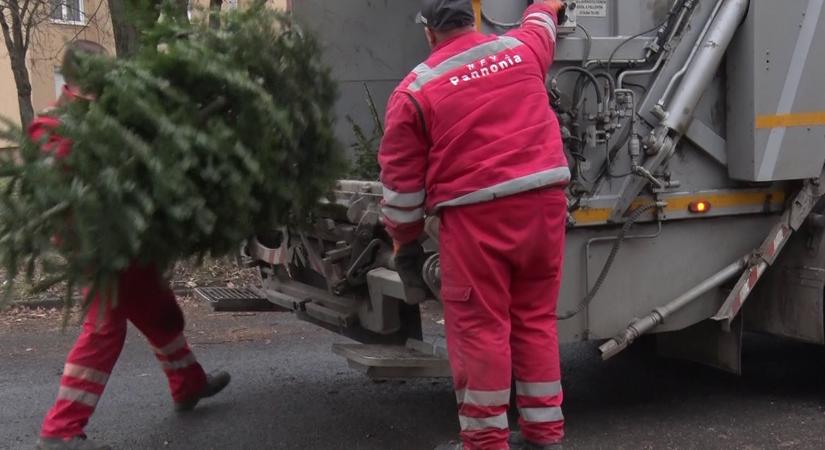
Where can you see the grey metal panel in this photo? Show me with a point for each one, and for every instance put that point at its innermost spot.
(571, 49)
(352, 104)
(365, 40)
(377, 42)
(778, 60)
(650, 273)
(709, 141)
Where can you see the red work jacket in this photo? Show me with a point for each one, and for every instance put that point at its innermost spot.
(43, 130)
(471, 124)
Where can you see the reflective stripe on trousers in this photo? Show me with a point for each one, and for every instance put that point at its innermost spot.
(175, 355)
(539, 392)
(81, 384)
(482, 423)
(78, 396)
(85, 373)
(483, 398)
(182, 363)
(169, 349)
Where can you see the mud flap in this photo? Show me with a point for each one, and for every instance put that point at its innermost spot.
(705, 343)
(789, 301)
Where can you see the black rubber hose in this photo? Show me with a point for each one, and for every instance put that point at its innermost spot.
(634, 216)
(588, 44)
(588, 74)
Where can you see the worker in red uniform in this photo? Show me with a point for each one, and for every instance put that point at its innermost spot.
(144, 298)
(471, 138)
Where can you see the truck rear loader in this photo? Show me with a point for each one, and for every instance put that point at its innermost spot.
(695, 132)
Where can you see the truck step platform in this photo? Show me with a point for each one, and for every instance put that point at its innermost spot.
(393, 361)
(236, 299)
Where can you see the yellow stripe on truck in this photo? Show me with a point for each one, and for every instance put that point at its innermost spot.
(477, 10)
(680, 202)
(807, 119)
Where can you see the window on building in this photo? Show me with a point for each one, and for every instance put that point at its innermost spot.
(70, 11)
(59, 81)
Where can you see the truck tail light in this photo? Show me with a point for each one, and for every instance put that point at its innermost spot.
(699, 207)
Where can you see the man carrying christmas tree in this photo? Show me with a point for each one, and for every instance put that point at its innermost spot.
(144, 298)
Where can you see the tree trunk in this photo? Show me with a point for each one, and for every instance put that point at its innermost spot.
(126, 34)
(214, 11)
(22, 82)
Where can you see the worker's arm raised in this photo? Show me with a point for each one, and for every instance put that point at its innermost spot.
(403, 160)
(538, 29)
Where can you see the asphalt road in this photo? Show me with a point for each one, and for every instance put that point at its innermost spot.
(290, 392)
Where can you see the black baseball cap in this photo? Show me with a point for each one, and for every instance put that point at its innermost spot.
(445, 15)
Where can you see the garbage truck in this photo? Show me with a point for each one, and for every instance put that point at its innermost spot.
(695, 133)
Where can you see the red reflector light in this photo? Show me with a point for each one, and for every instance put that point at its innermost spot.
(699, 207)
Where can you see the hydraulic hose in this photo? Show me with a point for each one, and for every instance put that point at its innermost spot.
(631, 220)
(588, 74)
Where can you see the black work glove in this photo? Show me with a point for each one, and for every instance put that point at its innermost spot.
(409, 260)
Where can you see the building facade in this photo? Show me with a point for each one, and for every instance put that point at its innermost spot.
(70, 20)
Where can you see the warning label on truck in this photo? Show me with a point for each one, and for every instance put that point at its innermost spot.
(591, 8)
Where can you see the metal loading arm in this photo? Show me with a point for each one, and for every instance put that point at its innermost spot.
(763, 257)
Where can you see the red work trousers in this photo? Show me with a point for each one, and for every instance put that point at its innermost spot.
(501, 265)
(146, 300)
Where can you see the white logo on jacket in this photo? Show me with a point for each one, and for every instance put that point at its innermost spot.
(486, 67)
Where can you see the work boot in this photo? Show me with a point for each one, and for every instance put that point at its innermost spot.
(452, 445)
(517, 442)
(75, 443)
(214, 384)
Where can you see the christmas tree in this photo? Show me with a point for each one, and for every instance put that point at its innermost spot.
(202, 140)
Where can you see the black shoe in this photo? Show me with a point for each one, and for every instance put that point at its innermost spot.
(75, 443)
(452, 445)
(517, 442)
(214, 384)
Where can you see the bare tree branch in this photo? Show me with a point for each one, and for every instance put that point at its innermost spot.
(32, 22)
(6, 31)
(16, 23)
(25, 7)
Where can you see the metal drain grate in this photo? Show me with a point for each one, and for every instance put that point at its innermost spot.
(235, 299)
